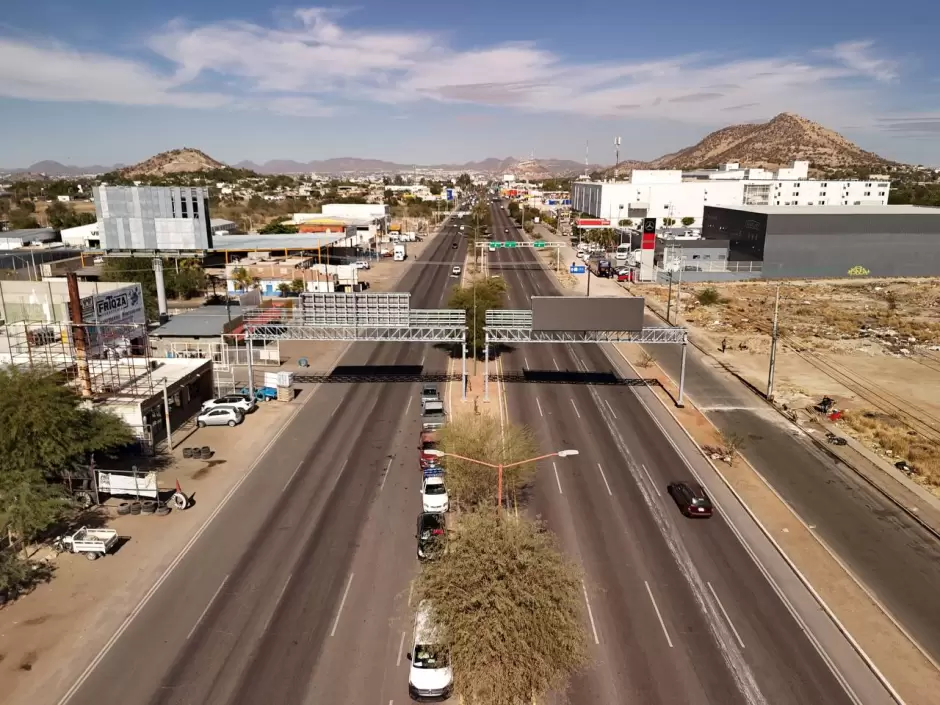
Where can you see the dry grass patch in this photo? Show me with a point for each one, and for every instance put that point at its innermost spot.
(887, 436)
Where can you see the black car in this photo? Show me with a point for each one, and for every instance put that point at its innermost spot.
(431, 535)
(691, 498)
(453, 245)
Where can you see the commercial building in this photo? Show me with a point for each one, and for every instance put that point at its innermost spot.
(828, 241)
(681, 195)
(153, 218)
(83, 236)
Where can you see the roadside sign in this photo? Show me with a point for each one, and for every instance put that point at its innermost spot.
(538, 243)
(577, 269)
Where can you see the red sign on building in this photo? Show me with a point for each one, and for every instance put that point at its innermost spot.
(593, 223)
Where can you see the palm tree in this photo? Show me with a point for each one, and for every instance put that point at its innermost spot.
(243, 280)
(284, 289)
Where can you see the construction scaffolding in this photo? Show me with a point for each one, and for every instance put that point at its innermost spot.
(116, 361)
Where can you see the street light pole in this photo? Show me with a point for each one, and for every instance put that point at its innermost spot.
(499, 467)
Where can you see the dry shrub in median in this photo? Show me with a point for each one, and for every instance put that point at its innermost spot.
(508, 603)
(481, 437)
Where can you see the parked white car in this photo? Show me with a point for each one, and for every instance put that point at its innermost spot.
(430, 676)
(434, 494)
(362, 264)
(236, 401)
(220, 416)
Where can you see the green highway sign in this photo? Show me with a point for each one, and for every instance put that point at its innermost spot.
(511, 244)
(538, 244)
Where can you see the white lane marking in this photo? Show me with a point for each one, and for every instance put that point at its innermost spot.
(333, 413)
(385, 476)
(606, 484)
(590, 613)
(556, 362)
(613, 413)
(411, 589)
(539, 405)
(342, 468)
(138, 608)
(576, 408)
(401, 647)
(280, 595)
(658, 613)
(408, 406)
(526, 361)
(342, 604)
(423, 357)
(725, 613)
(650, 478)
(293, 474)
(557, 479)
(206, 610)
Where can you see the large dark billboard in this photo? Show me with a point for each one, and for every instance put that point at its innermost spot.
(567, 313)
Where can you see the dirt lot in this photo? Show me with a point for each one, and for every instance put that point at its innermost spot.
(872, 345)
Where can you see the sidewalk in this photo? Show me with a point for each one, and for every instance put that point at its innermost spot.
(911, 673)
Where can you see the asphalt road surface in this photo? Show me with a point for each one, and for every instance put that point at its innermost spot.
(679, 610)
(298, 591)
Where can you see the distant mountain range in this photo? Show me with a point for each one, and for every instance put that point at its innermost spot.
(775, 143)
(188, 160)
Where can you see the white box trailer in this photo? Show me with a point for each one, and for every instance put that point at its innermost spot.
(399, 253)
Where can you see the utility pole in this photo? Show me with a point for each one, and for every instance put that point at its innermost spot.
(166, 415)
(679, 293)
(669, 297)
(616, 157)
(161, 290)
(773, 348)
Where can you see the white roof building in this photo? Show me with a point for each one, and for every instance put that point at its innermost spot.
(673, 194)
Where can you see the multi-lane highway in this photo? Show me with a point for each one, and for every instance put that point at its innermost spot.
(298, 591)
(680, 611)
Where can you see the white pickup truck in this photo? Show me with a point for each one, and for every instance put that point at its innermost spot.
(94, 543)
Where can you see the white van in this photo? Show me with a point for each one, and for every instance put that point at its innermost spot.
(430, 676)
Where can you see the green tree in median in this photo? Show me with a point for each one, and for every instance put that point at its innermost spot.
(477, 298)
(508, 605)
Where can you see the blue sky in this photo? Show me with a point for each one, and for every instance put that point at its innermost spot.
(103, 81)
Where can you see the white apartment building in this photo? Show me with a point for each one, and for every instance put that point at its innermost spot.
(674, 194)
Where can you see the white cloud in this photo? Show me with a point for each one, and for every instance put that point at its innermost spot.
(49, 72)
(860, 58)
(312, 61)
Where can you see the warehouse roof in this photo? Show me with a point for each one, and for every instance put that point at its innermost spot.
(834, 210)
(29, 235)
(255, 241)
(203, 322)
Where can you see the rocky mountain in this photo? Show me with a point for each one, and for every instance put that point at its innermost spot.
(175, 161)
(772, 144)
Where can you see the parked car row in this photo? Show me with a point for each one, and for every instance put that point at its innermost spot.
(430, 677)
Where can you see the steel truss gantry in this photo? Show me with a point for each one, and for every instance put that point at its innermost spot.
(515, 326)
(358, 317)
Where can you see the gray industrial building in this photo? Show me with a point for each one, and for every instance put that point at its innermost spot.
(824, 241)
(153, 218)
